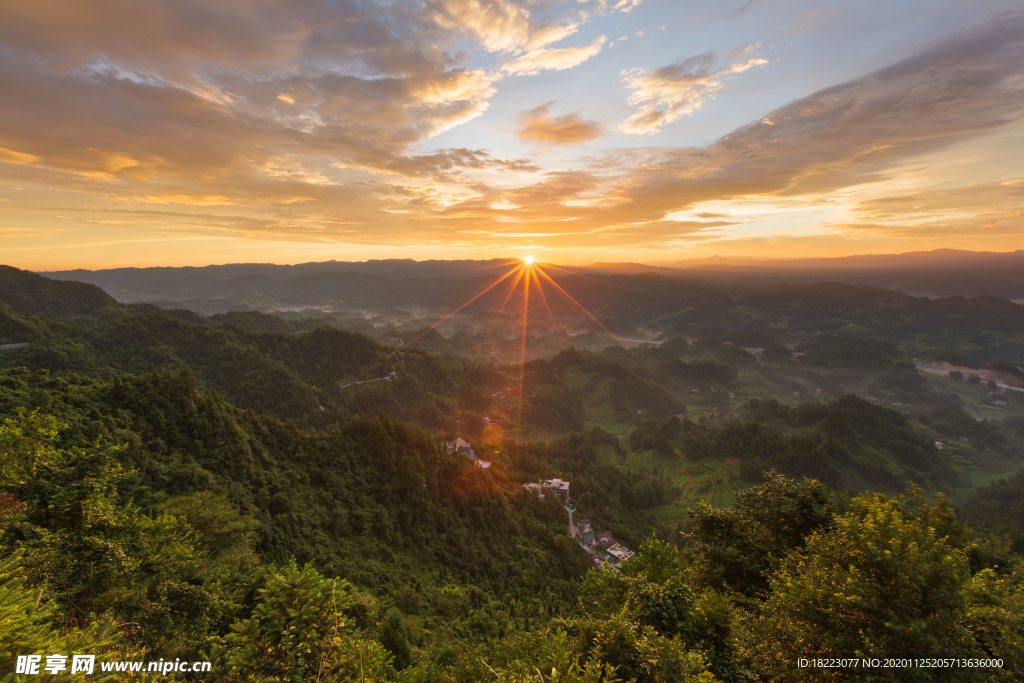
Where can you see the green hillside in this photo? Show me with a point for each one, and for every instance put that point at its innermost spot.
(188, 478)
(27, 292)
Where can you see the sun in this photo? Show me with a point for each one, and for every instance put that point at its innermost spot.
(528, 259)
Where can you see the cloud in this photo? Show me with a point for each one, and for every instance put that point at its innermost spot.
(745, 9)
(446, 161)
(538, 126)
(14, 157)
(971, 200)
(312, 121)
(817, 150)
(671, 92)
(744, 51)
(626, 6)
(850, 135)
(498, 25)
(553, 59)
(26, 232)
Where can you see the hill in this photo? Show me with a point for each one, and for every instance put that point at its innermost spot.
(27, 292)
(210, 459)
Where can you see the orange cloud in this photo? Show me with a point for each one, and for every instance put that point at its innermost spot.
(538, 126)
(316, 127)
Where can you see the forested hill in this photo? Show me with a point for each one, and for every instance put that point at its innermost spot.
(70, 301)
(984, 329)
(270, 373)
(321, 378)
(174, 486)
(376, 502)
(86, 305)
(456, 575)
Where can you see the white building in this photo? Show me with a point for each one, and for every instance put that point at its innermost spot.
(559, 487)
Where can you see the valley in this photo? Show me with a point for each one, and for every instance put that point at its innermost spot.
(320, 439)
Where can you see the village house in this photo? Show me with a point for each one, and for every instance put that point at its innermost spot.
(585, 532)
(458, 445)
(604, 539)
(619, 553)
(559, 487)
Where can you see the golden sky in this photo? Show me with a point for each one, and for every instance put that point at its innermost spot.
(185, 132)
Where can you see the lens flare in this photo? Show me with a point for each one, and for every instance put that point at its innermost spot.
(521, 277)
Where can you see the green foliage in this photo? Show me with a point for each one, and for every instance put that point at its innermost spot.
(203, 485)
(394, 636)
(297, 632)
(736, 549)
(183, 506)
(643, 624)
(223, 535)
(27, 292)
(736, 357)
(269, 373)
(995, 618)
(951, 356)
(26, 627)
(703, 372)
(99, 554)
(953, 422)
(1008, 368)
(263, 323)
(880, 583)
(775, 353)
(848, 435)
(832, 350)
(656, 435)
(998, 508)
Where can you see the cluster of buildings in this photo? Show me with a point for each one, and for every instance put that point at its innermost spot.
(601, 545)
(558, 487)
(613, 553)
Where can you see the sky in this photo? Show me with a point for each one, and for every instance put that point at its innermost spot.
(189, 132)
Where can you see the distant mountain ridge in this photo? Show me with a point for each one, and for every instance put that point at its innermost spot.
(941, 272)
(959, 258)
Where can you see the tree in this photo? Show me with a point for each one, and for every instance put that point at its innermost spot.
(735, 549)
(298, 633)
(394, 635)
(646, 619)
(995, 618)
(879, 584)
(26, 627)
(98, 553)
